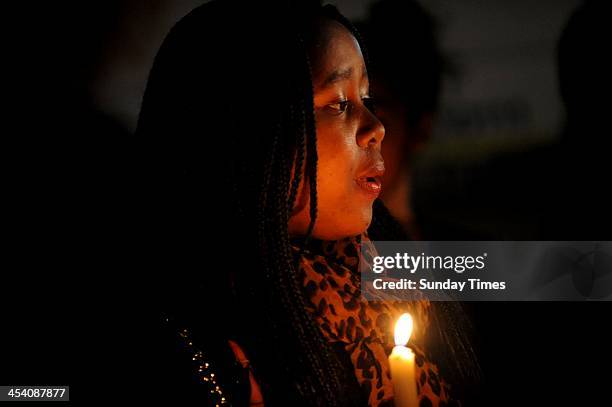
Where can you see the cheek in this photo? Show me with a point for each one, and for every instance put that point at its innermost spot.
(338, 161)
(341, 207)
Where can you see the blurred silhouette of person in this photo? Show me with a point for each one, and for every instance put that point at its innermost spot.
(406, 68)
(581, 206)
(553, 191)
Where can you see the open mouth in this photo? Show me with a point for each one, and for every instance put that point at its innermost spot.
(371, 185)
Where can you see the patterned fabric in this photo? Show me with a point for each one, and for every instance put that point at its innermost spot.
(332, 284)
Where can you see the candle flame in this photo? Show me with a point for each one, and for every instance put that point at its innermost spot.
(403, 329)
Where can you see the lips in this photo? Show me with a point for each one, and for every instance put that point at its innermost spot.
(371, 185)
(370, 181)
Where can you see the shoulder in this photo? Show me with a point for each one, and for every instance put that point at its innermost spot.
(196, 367)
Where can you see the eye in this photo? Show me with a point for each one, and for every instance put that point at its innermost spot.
(339, 107)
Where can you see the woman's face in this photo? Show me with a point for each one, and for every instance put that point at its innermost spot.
(349, 136)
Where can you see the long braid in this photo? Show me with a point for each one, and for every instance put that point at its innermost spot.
(294, 363)
(288, 288)
(266, 182)
(273, 217)
(311, 152)
(288, 284)
(324, 365)
(321, 382)
(299, 162)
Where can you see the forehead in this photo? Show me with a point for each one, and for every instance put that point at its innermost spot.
(334, 49)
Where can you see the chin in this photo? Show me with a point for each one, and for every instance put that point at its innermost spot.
(342, 225)
(359, 222)
(366, 220)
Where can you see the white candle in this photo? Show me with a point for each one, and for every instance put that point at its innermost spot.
(403, 370)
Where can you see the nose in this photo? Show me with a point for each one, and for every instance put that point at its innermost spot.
(371, 131)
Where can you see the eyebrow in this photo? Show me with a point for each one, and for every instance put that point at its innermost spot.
(340, 75)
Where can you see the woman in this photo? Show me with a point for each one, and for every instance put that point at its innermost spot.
(263, 154)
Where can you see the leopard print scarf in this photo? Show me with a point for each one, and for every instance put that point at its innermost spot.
(331, 284)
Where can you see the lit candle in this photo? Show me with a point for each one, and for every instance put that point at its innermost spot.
(401, 360)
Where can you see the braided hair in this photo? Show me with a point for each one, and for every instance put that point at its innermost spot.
(191, 108)
(227, 133)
